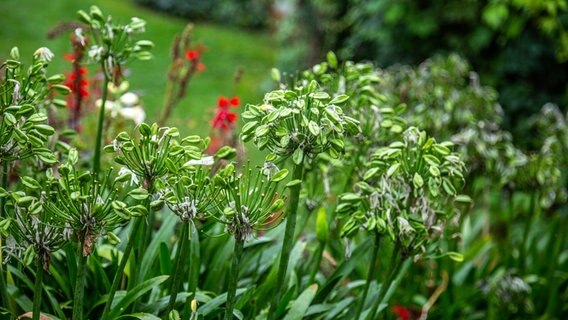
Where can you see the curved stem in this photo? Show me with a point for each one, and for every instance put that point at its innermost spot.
(121, 267)
(179, 266)
(393, 270)
(37, 291)
(79, 285)
(234, 278)
(371, 275)
(99, 141)
(288, 241)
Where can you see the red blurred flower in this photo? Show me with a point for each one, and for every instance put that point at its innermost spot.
(192, 55)
(200, 66)
(402, 313)
(225, 103)
(225, 119)
(78, 85)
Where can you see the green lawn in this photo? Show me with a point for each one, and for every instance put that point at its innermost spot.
(26, 22)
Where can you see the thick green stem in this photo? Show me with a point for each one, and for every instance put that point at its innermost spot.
(234, 278)
(121, 266)
(288, 242)
(555, 246)
(371, 275)
(393, 270)
(194, 268)
(5, 165)
(99, 141)
(319, 255)
(79, 284)
(179, 266)
(7, 301)
(525, 242)
(37, 291)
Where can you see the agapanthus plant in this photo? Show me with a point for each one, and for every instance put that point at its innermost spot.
(248, 203)
(190, 193)
(404, 197)
(32, 235)
(87, 208)
(300, 124)
(23, 127)
(112, 46)
(146, 161)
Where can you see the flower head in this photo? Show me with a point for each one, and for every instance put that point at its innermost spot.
(44, 54)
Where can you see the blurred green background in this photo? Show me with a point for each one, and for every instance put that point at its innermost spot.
(26, 23)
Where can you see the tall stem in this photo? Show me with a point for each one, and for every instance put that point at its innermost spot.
(193, 274)
(121, 267)
(371, 275)
(37, 291)
(554, 246)
(79, 285)
(525, 242)
(288, 242)
(6, 299)
(319, 254)
(5, 165)
(394, 266)
(234, 278)
(179, 266)
(99, 141)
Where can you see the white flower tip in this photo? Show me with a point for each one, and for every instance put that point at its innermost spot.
(206, 161)
(44, 54)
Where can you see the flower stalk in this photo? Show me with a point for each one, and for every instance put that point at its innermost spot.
(395, 263)
(371, 275)
(120, 271)
(179, 267)
(234, 278)
(37, 291)
(79, 293)
(100, 125)
(288, 241)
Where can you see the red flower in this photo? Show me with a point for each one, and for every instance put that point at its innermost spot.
(77, 83)
(402, 313)
(224, 120)
(200, 66)
(225, 103)
(192, 55)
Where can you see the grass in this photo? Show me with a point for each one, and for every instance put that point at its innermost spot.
(26, 22)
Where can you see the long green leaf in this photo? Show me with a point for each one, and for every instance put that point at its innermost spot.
(302, 303)
(134, 294)
(140, 315)
(215, 303)
(163, 235)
